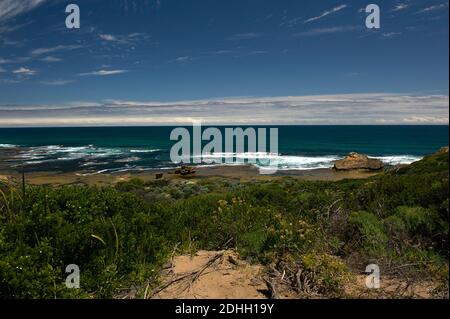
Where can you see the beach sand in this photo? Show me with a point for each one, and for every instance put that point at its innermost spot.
(242, 173)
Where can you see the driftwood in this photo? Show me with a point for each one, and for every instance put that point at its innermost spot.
(233, 261)
(285, 277)
(271, 288)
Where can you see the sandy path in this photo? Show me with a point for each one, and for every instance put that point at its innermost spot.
(212, 275)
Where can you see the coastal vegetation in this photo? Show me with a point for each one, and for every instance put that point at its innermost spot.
(318, 234)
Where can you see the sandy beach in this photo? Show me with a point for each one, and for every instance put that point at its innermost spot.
(242, 173)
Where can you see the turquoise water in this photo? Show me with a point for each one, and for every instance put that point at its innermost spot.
(111, 149)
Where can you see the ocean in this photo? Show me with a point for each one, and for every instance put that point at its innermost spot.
(118, 149)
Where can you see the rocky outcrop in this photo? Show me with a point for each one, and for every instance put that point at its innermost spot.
(358, 161)
(185, 170)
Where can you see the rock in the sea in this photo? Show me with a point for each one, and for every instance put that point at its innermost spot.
(358, 161)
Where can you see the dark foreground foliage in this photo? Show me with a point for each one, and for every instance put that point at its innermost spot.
(121, 236)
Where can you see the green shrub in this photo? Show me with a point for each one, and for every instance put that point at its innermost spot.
(328, 273)
(414, 220)
(107, 233)
(368, 231)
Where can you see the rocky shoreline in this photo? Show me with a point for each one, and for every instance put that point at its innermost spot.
(353, 166)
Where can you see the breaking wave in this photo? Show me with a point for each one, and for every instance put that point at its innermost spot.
(109, 159)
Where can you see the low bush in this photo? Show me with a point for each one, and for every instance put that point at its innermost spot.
(121, 236)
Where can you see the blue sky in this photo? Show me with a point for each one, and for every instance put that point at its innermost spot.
(145, 58)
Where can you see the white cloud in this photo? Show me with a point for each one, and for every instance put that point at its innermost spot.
(51, 59)
(24, 71)
(10, 81)
(132, 38)
(390, 34)
(326, 13)
(330, 30)
(4, 61)
(363, 108)
(107, 37)
(422, 119)
(16, 60)
(41, 51)
(183, 58)
(219, 52)
(246, 36)
(104, 72)
(399, 7)
(11, 8)
(256, 52)
(292, 22)
(56, 82)
(434, 8)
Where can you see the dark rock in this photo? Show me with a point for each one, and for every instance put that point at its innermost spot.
(159, 175)
(358, 161)
(185, 170)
